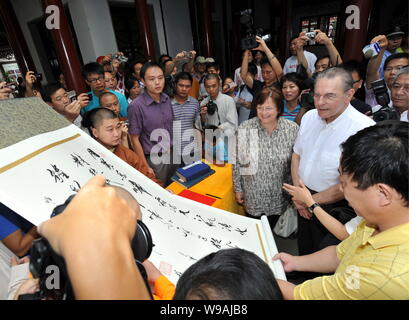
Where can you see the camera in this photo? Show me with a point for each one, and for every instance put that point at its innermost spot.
(187, 55)
(211, 107)
(381, 92)
(249, 41)
(44, 258)
(72, 96)
(38, 76)
(382, 98)
(385, 113)
(311, 35)
(121, 59)
(307, 98)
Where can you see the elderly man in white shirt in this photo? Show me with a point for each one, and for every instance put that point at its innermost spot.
(317, 153)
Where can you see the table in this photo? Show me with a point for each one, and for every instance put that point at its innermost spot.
(218, 185)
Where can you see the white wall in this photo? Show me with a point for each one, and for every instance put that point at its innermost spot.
(93, 27)
(177, 23)
(27, 11)
(95, 33)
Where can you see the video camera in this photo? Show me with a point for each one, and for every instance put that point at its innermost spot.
(43, 257)
(382, 98)
(249, 41)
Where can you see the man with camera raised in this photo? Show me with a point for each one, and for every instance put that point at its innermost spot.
(57, 98)
(392, 65)
(299, 56)
(218, 109)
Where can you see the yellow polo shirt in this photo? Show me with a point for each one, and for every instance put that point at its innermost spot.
(371, 267)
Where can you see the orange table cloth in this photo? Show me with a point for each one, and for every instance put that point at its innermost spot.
(218, 185)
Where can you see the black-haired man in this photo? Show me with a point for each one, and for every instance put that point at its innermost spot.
(373, 263)
(93, 74)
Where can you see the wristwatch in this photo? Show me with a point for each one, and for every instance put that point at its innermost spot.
(311, 208)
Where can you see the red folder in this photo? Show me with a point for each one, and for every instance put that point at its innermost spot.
(197, 197)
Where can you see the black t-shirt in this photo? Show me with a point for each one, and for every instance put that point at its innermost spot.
(362, 107)
(257, 87)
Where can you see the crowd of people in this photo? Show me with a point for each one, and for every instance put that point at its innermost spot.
(298, 137)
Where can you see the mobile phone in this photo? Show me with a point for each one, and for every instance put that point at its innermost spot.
(90, 96)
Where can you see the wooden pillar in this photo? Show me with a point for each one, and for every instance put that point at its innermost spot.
(66, 52)
(355, 39)
(15, 37)
(207, 28)
(145, 29)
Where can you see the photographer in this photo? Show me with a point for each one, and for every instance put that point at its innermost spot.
(332, 59)
(104, 253)
(299, 56)
(271, 70)
(218, 109)
(57, 98)
(392, 65)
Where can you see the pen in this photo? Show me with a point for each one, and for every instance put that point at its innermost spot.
(213, 196)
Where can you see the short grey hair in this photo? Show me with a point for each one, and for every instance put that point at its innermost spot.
(335, 72)
(404, 70)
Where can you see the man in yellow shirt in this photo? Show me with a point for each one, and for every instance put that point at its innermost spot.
(373, 263)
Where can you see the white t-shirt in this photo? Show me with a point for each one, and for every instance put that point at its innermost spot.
(239, 81)
(292, 63)
(404, 116)
(352, 224)
(319, 146)
(225, 117)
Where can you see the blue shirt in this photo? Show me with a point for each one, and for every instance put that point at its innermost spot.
(290, 115)
(94, 103)
(10, 222)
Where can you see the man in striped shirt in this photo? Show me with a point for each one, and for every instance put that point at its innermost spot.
(186, 110)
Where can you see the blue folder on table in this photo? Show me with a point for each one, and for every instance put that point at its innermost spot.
(192, 171)
(191, 183)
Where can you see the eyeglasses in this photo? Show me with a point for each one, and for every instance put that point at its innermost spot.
(267, 109)
(397, 68)
(327, 97)
(356, 81)
(95, 80)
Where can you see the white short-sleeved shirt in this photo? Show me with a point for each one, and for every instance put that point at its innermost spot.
(292, 63)
(319, 146)
(352, 224)
(404, 116)
(239, 81)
